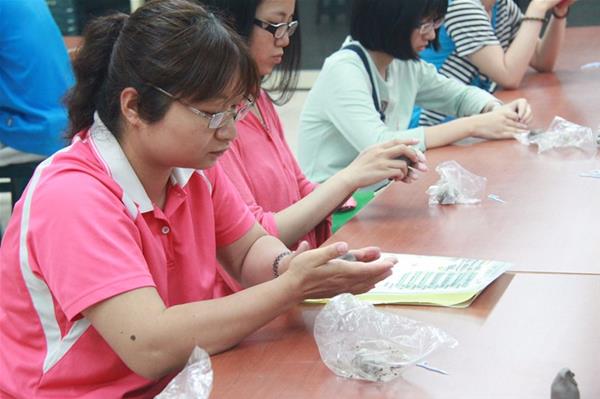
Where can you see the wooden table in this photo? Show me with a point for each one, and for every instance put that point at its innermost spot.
(513, 340)
(526, 326)
(549, 222)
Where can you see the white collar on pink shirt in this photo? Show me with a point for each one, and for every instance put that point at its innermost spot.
(117, 165)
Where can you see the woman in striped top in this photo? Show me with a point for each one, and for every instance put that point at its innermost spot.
(490, 43)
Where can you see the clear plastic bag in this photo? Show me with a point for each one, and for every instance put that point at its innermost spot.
(562, 134)
(357, 341)
(194, 381)
(456, 186)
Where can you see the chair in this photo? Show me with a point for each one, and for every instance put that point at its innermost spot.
(18, 176)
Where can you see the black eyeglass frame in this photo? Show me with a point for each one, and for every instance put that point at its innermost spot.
(276, 29)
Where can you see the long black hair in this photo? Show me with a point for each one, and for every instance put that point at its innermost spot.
(176, 45)
(241, 13)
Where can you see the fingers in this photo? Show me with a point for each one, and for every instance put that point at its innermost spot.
(528, 115)
(339, 276)
(508, 132)
(398, 149)
(369, 283)
(515, 126)
(302, 247)
(321, 256)
(559, 3)
(512, 121)
(402, 150)
(523, 110)
(398, 169)
(514, 105)
(421, 163)
(396, 142)
(420, 155)
(414, 159)
(359, 272)
(411, 178)
(367, 254)
(548, 4)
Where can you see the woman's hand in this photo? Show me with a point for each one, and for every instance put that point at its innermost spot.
(547, 5)
(503, 122)
(319, 273)
(390, 160)
(523, 109)
(562, 8)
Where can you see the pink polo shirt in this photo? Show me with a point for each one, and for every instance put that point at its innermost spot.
(263, 169)
(85, 231)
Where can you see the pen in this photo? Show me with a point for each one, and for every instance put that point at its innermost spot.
(426, 366)
(409, 163)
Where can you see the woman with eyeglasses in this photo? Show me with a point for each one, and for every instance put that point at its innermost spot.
(490, 43)
(350, 108)
(108, 266)
(260, 162)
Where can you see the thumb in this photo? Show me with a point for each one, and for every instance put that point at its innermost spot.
(302, 247)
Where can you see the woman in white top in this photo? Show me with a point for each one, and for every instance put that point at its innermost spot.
(340, 117)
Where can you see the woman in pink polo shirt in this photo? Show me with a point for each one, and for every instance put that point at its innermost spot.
(261, 164)
(108, 265)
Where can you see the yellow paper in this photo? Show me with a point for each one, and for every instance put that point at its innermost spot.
(434, 280)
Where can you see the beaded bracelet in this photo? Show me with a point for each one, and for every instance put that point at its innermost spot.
(561, 16)
(277, 261)
(537, 19)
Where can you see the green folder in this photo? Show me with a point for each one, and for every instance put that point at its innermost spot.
(362, 198)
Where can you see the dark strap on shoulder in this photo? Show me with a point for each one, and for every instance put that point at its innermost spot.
(361, 53)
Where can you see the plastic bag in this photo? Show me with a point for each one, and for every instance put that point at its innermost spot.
(194, 381)
(456, 185)
(357, 341)
(562, 134)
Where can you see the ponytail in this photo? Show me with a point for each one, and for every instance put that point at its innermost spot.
(172, 44)
(91, 67)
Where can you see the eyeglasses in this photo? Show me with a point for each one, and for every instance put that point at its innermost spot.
(427, 27)
(218, 120)
(278, 30)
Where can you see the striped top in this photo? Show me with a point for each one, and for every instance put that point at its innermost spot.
(467, 29)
